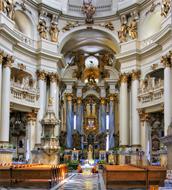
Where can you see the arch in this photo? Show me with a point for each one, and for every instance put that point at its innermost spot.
(148, 72)
(25, 23)
(91, 93)
(110, 39)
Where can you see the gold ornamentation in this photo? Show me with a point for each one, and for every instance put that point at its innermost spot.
(166, 5)
(7, 6)
(21, 66)
(79, 100)
(135, 75)
(143, 116)
(108, 25)
(31, 116)
(103, 101)
(89, 10)
(41, 75)
(123, 78)
(132, 29)
(54, 31)
(53, 77)
(50, 101)
(166, 61)
(122, 33)
(113, 97)
(69, 26)
(8, 61)
(42, 29)
(1, 57)
(69, 96)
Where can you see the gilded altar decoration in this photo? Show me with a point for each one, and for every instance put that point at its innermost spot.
(69, 26)
(166, 5)
(42, 29)
(132, 29)
(122, 33)
(89, 10)
(54, 31)
(7, 6)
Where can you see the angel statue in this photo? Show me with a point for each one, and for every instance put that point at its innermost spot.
(42, 29)
(54, 31)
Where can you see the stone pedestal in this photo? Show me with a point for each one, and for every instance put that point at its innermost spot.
(6, 155)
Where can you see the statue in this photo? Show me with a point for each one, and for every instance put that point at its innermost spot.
(42, 29)
(132, 29)
(165, 7)
(62, 139)
(89, 10)
(54, 31)
(76, 140)
(122, 33)
(7, 6)
(90, 152)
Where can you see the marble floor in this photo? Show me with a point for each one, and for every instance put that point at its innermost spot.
(82, 182)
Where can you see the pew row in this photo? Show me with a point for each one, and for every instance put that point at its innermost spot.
(128, 176)
(42, 176)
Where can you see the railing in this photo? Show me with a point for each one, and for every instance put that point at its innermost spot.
(152, 95)
(24, 96)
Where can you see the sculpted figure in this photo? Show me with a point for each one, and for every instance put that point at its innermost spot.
(132, 29)
(122, 33)
(89, 10)
(7, 6)
(165, 7)
(42, 29)
(54, 31)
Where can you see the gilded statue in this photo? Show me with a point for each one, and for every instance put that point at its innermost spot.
(165, 7)
(42, 29)
(7, 6)
(122, 33)
(54, 32)
(132, 29)
(89, 10)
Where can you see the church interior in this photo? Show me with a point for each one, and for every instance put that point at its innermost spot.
(85, 94)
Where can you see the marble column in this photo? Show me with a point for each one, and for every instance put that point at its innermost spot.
(1, 59)
(145, 137)
(103, 115)
(79, 115)
(31, 135)
(135, 123)
(69, 121)
(42, 103)
(167, 93)
(5, 107)
(124, 116)
(54, 94)
(111, 121)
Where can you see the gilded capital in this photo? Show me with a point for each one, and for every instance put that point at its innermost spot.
(31, 116)
(113, 97)
(79, 100)
(53, 77)
(135, 75)
(41, 75)
(69, 96)
(8, 61)
(103, 101)
(143, 116)
(166, 61)
(1, 56)
(124, 78)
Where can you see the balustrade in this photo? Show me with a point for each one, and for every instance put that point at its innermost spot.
(24, 95)
(151, 93)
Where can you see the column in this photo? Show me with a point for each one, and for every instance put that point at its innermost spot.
(79, 115)
(145, 137)
(5, 112)
(167, 93)
(1, 59)
(69, 121)
(135, 123)
(54, 94)
(42, 104)
(123, 117)
(111, 121)
(103, 115)
(31, 135)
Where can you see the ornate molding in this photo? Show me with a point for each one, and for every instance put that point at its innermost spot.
(41, 75)
(165, 8)
(167, 60)
(143, 116)
(123, 78)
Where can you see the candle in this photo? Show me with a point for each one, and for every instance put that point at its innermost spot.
(74, 122)
(107, 121)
